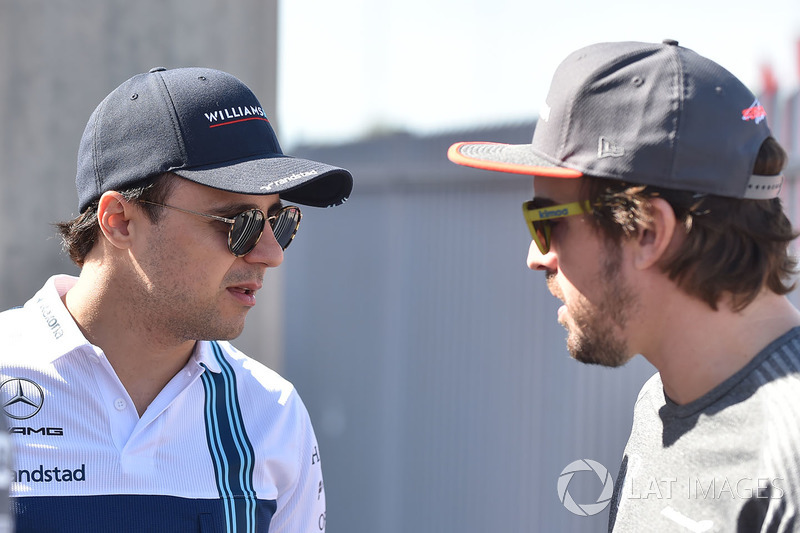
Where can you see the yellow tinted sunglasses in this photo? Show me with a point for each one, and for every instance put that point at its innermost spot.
(538, 219)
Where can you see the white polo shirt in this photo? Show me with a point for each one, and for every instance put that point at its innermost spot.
(226, 446)
(6, 521)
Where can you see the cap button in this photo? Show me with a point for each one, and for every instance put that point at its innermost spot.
(670, 42)
(157, 69)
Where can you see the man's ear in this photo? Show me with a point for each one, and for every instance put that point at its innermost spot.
(114, 214)
(655, 238)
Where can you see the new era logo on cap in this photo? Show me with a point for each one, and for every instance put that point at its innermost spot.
(607, 148)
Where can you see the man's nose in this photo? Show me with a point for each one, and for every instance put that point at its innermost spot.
(267, 251)
(539, 261)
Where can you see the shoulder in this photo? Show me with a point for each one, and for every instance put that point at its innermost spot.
(771, 394)
(12, 319)
(42, 329)
(248, 371)
(43, 312)
(652, 392)
(23, 333)
(269, 405)
(646, 410)
(773, 377)
(776, 383)
(781, 359)
(260, 389)
(277, 420)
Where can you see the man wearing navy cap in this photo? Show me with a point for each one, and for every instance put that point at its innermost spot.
(656, 220)
(130, 410)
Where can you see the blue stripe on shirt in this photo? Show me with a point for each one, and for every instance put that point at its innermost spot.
(229, 447)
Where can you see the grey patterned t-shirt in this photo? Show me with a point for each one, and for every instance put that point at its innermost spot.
(729, 461)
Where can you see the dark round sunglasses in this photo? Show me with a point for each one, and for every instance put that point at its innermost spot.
(247, 227)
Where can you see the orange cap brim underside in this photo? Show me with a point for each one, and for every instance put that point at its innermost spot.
(454, 154)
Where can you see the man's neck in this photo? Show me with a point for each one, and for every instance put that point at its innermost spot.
(143, 360)
(696, 348)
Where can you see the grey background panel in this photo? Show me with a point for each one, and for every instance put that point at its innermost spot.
(430, 355)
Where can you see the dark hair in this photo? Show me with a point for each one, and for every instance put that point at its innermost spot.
(80, 234)
(732, 246)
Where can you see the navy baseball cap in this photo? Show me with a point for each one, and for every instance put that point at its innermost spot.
(649, 114)
(203, 125)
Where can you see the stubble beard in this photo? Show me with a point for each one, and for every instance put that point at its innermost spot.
(592, 336)
(175, 317)
(173, 311)
(202, 318)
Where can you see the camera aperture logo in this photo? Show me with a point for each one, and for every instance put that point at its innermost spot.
(585, 509)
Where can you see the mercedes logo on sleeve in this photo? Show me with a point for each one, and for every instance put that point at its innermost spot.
(21, 398)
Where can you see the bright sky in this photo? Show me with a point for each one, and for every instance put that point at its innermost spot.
(351, 67)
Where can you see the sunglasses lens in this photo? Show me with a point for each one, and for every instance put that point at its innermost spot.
(285, 225)
(540, 231)
(246, 231)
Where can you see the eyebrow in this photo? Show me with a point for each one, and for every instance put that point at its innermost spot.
(275, 207)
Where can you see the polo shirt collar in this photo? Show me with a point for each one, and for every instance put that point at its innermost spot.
(204, 355)
(57, 330)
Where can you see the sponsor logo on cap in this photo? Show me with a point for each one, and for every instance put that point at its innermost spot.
(754, 112)
(288, 179)
(232, 115)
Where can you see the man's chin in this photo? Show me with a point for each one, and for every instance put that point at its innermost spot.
(609, 354)
(614, 361)
(227, 334)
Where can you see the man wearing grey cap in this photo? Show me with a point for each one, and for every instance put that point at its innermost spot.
(657, 222)
(130, 411)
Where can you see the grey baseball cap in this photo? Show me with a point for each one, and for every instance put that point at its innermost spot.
(650, 114)
(203, 125)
